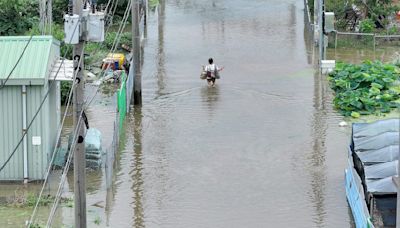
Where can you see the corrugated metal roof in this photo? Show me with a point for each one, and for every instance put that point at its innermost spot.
(34, 63)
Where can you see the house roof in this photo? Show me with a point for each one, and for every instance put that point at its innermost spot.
(35, 65)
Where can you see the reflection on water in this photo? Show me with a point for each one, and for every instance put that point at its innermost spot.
(233, 155)
(161, 55)
(261, 149)
(210, 97)
(384, 54)
(317, 157)
(136, 173)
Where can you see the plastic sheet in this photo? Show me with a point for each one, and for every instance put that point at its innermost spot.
(382, 170)
(381, 186)
(376, 128)
(375, 147)
(93, 140)
(386, 154)
(376, 142)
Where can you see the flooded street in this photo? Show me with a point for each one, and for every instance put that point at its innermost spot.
(261, 149)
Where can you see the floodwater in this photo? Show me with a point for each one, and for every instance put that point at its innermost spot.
(261, 149)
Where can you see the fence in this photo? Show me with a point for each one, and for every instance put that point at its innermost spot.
(123, 102)
(362, 40)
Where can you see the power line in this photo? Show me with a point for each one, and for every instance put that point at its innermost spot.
(3, 84)
(65, 171)
(39, 109)
(72, 149)
(113, 48)
(54, 151)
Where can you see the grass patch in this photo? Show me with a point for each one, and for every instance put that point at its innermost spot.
(23, 199)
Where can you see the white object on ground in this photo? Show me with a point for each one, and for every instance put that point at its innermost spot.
(327, 66)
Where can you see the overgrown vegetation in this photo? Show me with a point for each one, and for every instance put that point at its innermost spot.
(24, 199)
(17, 16)
(367, 25)
(368, 88)
(363, 16)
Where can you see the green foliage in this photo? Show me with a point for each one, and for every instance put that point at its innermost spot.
(125, 39)
(60, 8)
(311, 8)
(17, 16)
(44, 201)
(339, 7)
(393, 30)
(97, 220)
(380, 10)
(153, 4)
(367, 26)
(364, 89)
(65, 88)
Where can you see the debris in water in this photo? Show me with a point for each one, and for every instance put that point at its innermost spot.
(342, 124)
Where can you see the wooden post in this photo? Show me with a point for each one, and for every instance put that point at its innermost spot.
(137, 91)
(79, 156)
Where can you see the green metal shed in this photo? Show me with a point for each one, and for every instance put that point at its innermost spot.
(20, 99)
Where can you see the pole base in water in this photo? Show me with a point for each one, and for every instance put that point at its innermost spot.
(137, 97)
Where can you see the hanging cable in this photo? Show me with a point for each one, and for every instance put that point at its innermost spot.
(88, 102)
(55, 148)
(37, 112)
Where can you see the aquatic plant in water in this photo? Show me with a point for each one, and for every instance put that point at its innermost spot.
(367, 88)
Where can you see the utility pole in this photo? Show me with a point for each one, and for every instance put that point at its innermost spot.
(396, 180)
(137, 91)
(316, 21)
(321, 30)
(79, 156)
(42, 15)
(46, 16)
(49, 14)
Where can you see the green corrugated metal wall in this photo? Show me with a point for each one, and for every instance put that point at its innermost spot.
(45, 126)
(46, 123)
(11, 132)
(37, 154)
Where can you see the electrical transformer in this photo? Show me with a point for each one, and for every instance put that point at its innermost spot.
(329, 22)
(71, 29)
(96, 27)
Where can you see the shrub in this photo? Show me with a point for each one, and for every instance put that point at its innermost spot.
(17, 16)
(367, 26)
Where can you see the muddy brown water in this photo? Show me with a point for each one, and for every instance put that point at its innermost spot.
(261, 149)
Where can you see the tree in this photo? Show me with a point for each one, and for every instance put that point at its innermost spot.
(17, 16)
